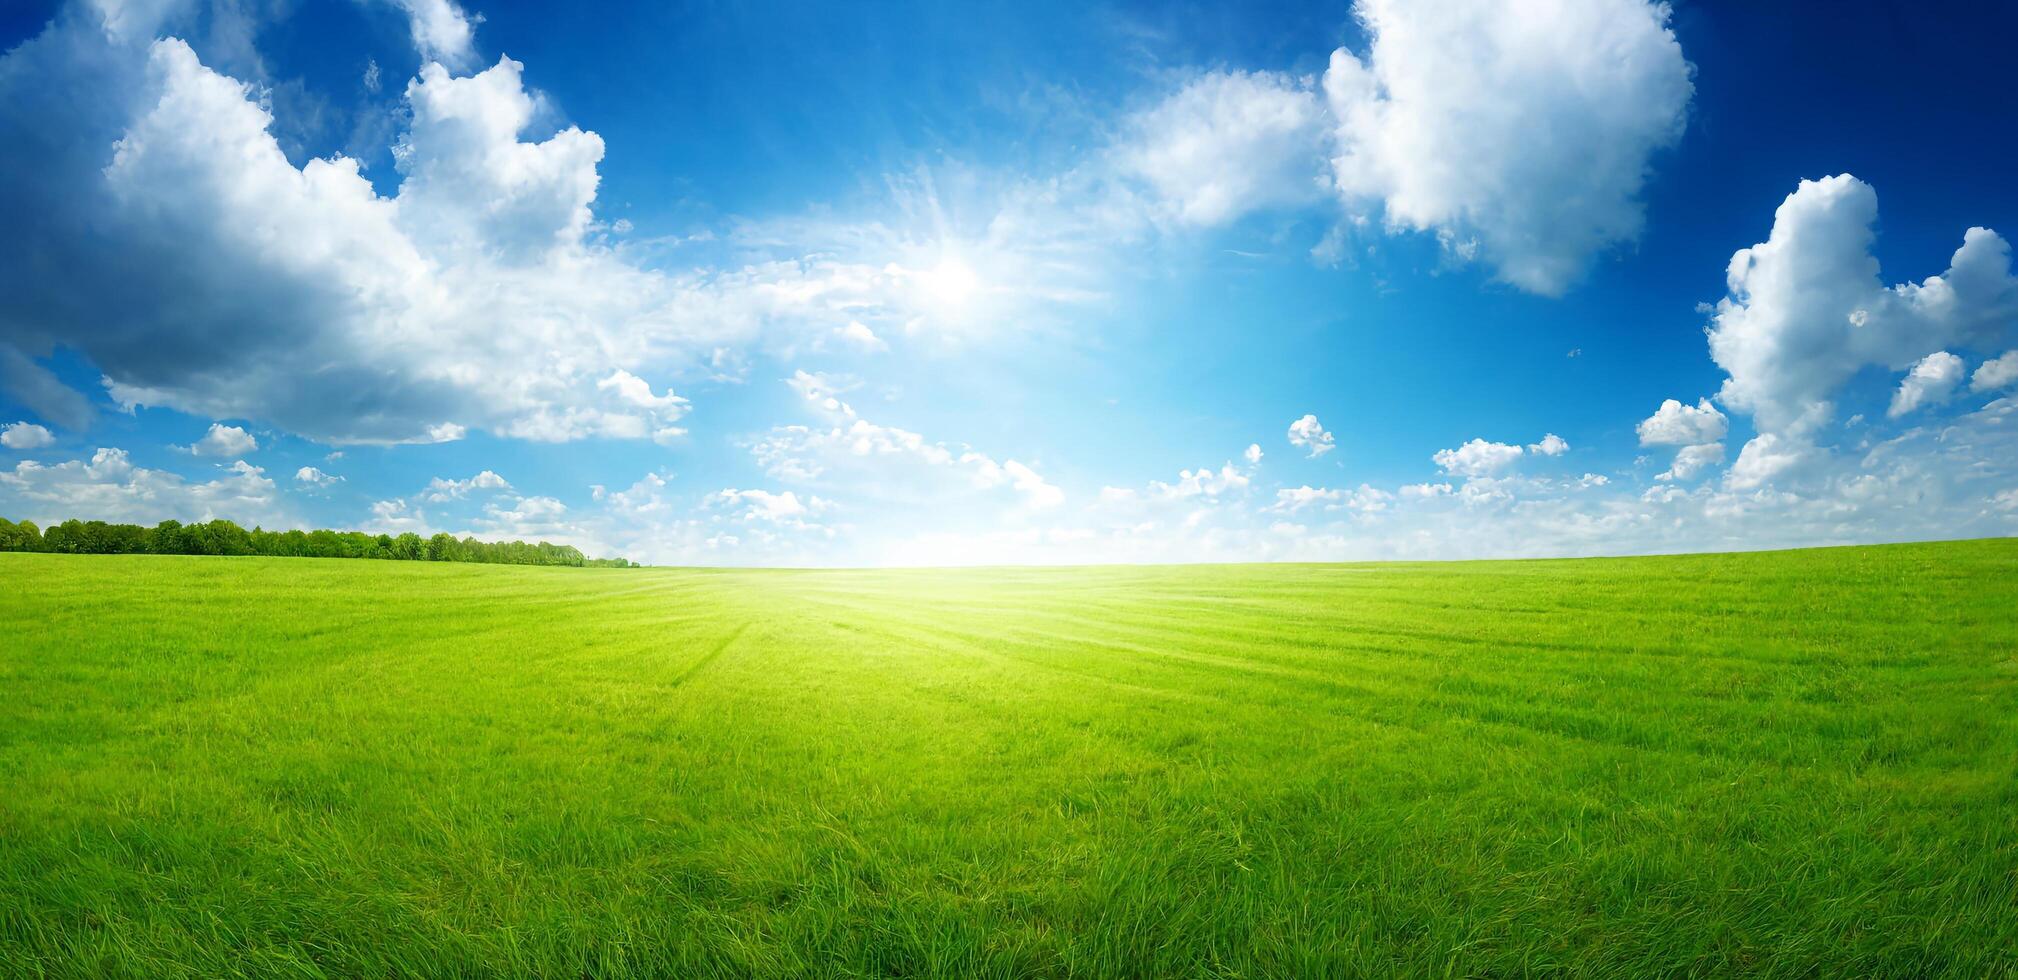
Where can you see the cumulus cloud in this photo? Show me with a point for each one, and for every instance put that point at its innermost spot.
(1697, 430)
(1520, 133)
(110, 487)
(1807, 309)
(1201, 482)
(313, 477)
(1253, 454)
(298, 295)
(1932, 381)
(183, 254)
(225, 440)
(1691, 460)
(1551, 445)
(1676, 424)
(440, 489)
(1766, 458)
(1477, 458)
(1996, 374)
(1228, 143)
(440, 31)
(527, 517)
(25, 436)
(781, 508)
(1307, 434)
(657, 415)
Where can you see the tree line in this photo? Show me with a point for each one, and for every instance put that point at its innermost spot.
(222, 537)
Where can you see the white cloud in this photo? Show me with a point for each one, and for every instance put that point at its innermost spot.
(439, 489)
(1691, 460)
(1032, 485)
(528, 519)
(657, 415)
(1807, 310)
(397, 517)
(1996, 374)
(1697, 430)
(1766, 458)
(803, 453)
(440, 32)
(1477, 458)
(1676, 424)
(472, 187)
(1926, 482)
(25, 436)
(1551, 445)
(858, 335)
(1521, 132)
(783, 508)
(225, 440)
(637, 391)
(1365, 499)
(314, 477)
(1226, 144)
(109, 487)
(1201, 482)
(1932, 381)
(645, 522)
(1253, 454)
(1307, 434)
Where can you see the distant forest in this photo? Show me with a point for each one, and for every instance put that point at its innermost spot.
(225, 538)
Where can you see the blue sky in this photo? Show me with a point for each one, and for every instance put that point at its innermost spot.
(904, 283)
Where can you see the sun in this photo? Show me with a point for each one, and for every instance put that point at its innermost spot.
(950, 283)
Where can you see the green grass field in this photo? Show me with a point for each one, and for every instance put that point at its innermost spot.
(1790, 764)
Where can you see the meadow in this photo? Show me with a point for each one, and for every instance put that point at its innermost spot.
(1783, 764)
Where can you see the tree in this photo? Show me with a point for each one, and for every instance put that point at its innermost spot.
(442, 547)
(409, 547)
(30, 536)
(167, 539)
(222, 537)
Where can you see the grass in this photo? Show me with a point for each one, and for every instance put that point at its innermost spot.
(1788, 764)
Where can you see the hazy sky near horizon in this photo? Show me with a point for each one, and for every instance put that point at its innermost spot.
(786, 283)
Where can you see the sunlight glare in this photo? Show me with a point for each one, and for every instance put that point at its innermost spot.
(951, 283)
